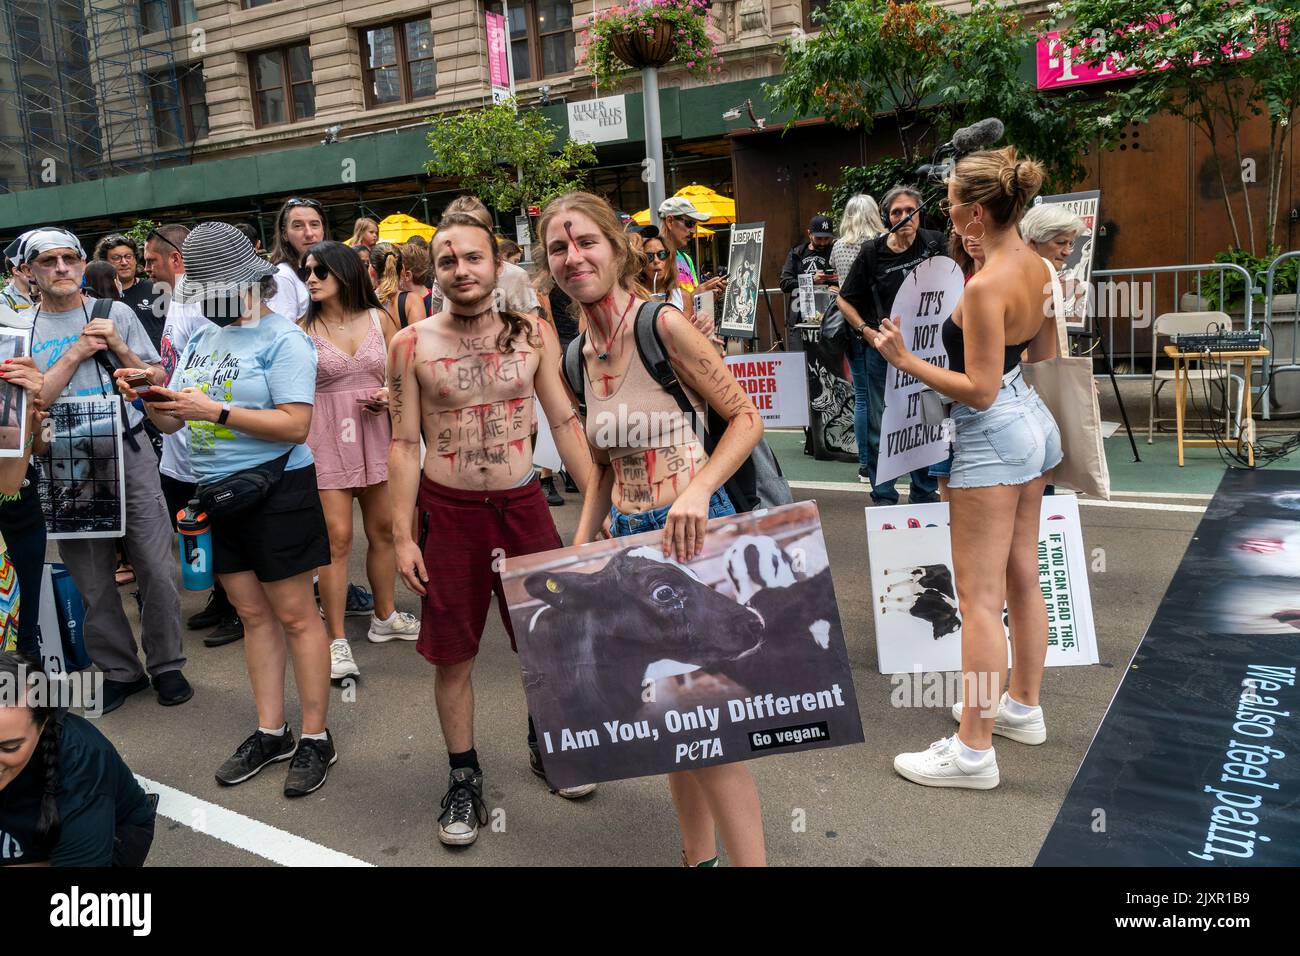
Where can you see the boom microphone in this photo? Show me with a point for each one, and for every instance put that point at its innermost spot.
(978, 135)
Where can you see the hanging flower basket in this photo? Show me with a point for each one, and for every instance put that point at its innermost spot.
(651, 33)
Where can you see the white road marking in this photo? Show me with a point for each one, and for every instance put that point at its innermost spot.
(243, 832)
(1094, 502)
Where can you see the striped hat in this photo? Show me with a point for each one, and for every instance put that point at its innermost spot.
(219, 259)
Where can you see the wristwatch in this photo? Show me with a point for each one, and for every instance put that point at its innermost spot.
(225, 413)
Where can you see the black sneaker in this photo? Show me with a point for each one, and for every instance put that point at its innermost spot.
(568, 793)
(310, 766)
(115, 692)
(570, 485)
(255, 753)
(211, 615)
(553, 497)
(229, 630)
(463, 811)
(172, 688)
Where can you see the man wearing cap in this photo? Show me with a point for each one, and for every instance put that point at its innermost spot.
(78, 351)
(17, 292)
(808, 257)
(678, 218)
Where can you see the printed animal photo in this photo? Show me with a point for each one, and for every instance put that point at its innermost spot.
(14, 343)
(634, 664)
(81, 473)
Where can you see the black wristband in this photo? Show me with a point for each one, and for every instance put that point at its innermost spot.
(225, 413)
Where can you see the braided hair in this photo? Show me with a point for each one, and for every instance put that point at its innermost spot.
(50, 719)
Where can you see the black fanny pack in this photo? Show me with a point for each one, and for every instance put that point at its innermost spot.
(242, 490)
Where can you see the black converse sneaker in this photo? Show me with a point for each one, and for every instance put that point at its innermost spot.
(255, 753)
(463, 811)
(310, 766)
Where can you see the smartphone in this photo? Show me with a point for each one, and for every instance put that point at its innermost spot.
(373, 405)
(144, 386)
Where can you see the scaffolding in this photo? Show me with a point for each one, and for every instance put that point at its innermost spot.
(75, 101)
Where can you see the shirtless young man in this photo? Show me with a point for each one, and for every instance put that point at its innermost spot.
(465, 379)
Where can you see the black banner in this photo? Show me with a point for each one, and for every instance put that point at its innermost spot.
(1196, 762)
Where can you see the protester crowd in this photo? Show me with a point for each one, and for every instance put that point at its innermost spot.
(278, 390)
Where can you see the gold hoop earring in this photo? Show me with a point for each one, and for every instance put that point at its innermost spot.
(983, 229)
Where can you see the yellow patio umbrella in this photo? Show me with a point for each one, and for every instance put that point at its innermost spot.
(400, 227)
(719, 208)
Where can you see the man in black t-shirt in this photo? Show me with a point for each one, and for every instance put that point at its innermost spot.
(866, 295)
(120, 252)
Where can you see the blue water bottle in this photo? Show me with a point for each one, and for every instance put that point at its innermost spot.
(195, 537)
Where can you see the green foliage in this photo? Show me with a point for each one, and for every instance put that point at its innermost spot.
(1215, 63)
(695, 40)
(874, 180)
(1226, 290)
(139, 232)
(506, 157)
(935, 71)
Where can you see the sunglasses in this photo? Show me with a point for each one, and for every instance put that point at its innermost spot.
(291, 203)
(155, 234)
(318, 270)
(946, 207)
(661, 255)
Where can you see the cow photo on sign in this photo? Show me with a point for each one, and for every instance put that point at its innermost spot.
(745, 267)
(14, 343)
(636, 665)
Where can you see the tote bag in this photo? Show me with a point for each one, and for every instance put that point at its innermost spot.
(1066, 387)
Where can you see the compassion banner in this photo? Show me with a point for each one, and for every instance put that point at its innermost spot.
(1197, 761)
(634, 665)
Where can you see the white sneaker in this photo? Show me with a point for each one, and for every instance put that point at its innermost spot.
(943, 766)
(1030, 729)
(401, 626)
(341, 663)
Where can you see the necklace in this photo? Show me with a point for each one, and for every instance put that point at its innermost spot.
(603, 356)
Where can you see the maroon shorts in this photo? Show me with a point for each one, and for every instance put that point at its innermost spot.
(463, 534)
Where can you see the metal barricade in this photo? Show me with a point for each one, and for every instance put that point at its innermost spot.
(1278, 359)
(1119, 294)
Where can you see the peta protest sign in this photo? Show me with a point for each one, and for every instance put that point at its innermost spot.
(928, 296)
(914, 587)
(634, 664)
(777, 384)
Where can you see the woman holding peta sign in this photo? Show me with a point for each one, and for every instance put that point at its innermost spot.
(659, 481)
(1006, 441)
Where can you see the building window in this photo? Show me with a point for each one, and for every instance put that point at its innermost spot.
(282, 88)
(156, 15)
(541, 37)
(808, 7)
(180, 111)
(398, 62)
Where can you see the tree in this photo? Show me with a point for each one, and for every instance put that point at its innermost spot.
(935, 71)
(1213, 62)
(506, 157)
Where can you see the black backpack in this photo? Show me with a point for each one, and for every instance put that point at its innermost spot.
(758, 483)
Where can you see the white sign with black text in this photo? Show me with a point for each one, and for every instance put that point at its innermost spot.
(928, 296)
(602, 120)
(914, 587)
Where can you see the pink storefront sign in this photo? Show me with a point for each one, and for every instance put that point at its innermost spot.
(1061, 67)
(498, 64)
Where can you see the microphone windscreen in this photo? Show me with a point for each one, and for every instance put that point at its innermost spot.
(978, 135)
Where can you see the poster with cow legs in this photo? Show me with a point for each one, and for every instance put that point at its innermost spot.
(914, 589)
(81, 485)
(636, 665)
(14, 343)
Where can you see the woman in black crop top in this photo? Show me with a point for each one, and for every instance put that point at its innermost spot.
(1006, 442)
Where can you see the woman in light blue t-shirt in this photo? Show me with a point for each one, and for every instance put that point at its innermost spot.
(245, 385)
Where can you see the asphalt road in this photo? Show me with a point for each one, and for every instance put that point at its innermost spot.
(841, 806)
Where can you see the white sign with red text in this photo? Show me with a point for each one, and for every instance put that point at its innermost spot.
(777, 384)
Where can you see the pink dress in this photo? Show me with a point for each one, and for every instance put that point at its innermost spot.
(350, 444)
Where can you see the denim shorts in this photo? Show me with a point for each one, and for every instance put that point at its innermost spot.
(621, 525)
(942, 469)
(1011, 442)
